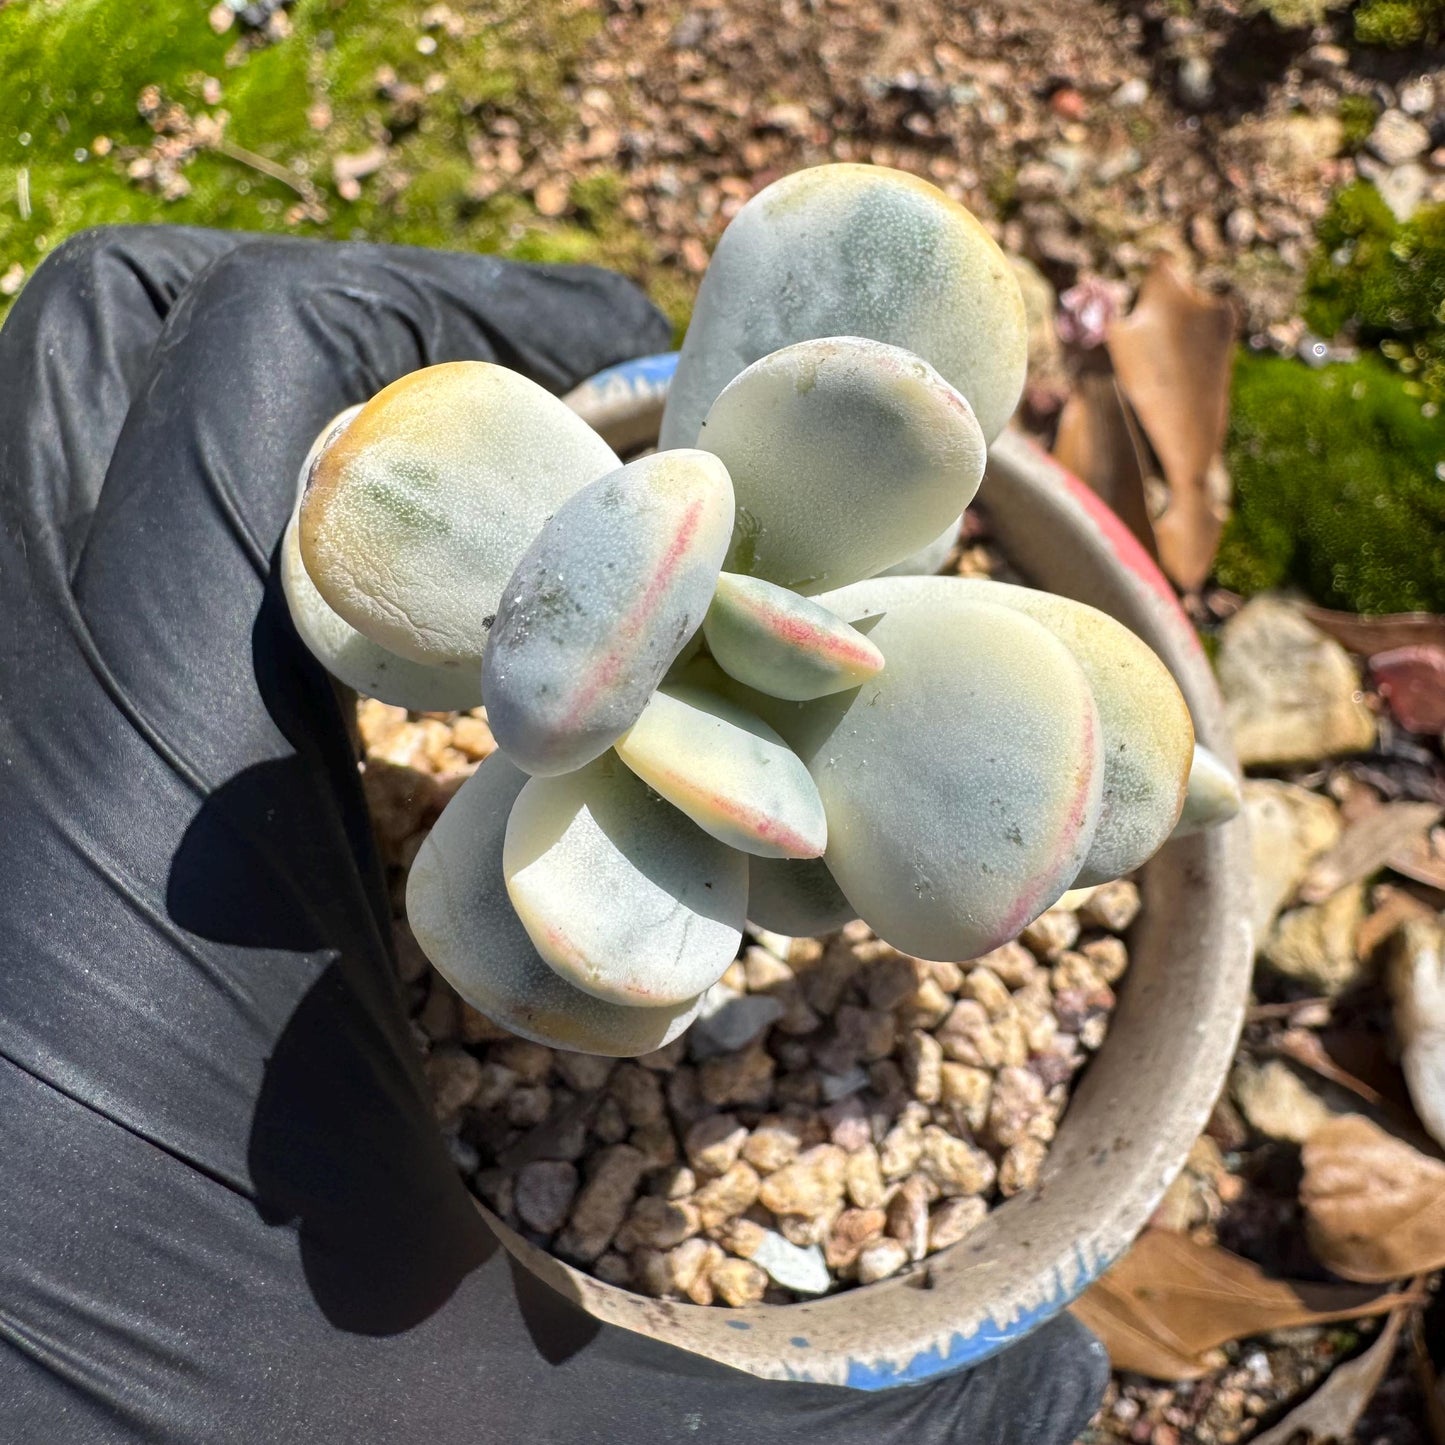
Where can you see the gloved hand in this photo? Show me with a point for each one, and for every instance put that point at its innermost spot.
(227, 1212)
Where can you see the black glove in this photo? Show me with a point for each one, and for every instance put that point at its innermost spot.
(226, 1210)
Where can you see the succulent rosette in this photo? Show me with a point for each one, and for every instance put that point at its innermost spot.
(714, 696)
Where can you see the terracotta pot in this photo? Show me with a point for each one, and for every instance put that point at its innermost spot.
(1138, 1106)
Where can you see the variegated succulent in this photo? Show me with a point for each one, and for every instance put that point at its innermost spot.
(714, 698)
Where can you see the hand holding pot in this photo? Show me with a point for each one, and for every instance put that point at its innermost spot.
(228, 1212)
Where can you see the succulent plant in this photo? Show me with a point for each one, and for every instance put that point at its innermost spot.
(713, 698)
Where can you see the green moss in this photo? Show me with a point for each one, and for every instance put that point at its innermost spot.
(1001, 185)
(1357, 115)
(596, 198)
(1398, 23)
(1339, 482)
(1297, 14)
(1382, 282)
(73, 69)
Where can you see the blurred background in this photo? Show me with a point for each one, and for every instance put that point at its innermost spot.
(1228, 217)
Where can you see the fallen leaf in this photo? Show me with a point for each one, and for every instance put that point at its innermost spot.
(1374, 1207)
(1355, 796)
(1399, 777)
(1366, 846)
(1308, 1013)
(1368, 635)
(1390, 907)
(1173, 356)
(1304, 1047)
(1333, 1411)
(1099, 442)
(1412, 682)
(1422, 859)
(1169, 1302)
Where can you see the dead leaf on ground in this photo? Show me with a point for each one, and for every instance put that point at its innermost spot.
(1332, 1412)
(1099, 442)
(1422, 859)
(1308, 1013)
(1173, 356)
(1169, 1302)
(1367, 635)
(1389, 908)
(1412, 682)
(1304, 1047)
(1366, 846)
(1374, 1206)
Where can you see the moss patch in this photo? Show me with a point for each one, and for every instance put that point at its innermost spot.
(74, 69)
(1339, 479)
(1357, 115)
(1397, 23)
(1382, 282)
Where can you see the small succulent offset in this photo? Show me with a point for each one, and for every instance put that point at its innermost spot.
(710, 702)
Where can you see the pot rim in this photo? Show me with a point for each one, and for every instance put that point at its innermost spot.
(1139, 1105)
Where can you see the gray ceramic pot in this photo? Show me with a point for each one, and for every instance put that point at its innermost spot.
(1142, 1101)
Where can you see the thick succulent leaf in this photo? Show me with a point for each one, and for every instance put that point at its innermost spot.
(783, 644)
(1213, 794)
(457, 904)
(962, 783)
(855, 250)
(930, 559)
(797, 897)
(601, 604)
(366, 665)
(415, 515)
(342, 650)
(728, 771)
(1148, 736)
(846, 456)
(624, 897)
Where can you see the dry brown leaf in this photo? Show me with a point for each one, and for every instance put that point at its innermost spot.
(1332, 1412)
(1374, 1206)
(1169, 1302)
(1173, 355)
(1367, 635)
(1366, 845)
(1309, 1013)
(1099, 442)
(1389, 908)
(1422, 859)
(1304, 1047)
